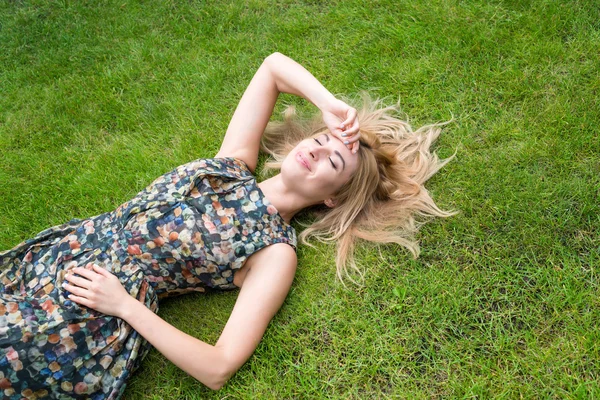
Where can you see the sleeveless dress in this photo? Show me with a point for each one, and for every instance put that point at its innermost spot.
(188, 231)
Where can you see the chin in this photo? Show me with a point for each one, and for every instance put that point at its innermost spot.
(292, 171)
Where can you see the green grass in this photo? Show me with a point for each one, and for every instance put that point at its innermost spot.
(98, 98)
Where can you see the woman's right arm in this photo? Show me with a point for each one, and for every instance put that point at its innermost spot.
(269, 276)
(281, 74)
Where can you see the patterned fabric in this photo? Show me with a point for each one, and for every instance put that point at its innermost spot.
(188, 231)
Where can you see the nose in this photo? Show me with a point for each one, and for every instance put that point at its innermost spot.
(317, 152)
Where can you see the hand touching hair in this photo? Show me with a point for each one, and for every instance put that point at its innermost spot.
(385, 201)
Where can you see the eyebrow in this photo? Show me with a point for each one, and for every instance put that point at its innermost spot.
(338, 153)
(341, 158)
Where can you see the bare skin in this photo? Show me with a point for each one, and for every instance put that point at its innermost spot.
(311, 174)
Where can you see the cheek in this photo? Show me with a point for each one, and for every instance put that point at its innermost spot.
(340, 182)
(331, 183)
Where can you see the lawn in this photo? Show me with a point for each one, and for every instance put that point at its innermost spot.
(99, 97)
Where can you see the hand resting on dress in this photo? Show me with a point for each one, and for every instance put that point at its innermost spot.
(97, 289)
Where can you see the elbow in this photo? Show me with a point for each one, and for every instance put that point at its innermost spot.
(216, 382)
(274, 59)
(274, 64)
(216, 385)
(220, 376)
(274, 55)
(219, 381)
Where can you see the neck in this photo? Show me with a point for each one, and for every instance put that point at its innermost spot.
(287, 202)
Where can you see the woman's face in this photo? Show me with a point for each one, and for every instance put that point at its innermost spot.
(318, 167)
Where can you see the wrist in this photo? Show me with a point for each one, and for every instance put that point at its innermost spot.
(325, 102)
(128, 308)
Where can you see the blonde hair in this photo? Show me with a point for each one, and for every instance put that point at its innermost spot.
(385, 200)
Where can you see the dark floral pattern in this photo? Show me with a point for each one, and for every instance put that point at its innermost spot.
(188, 231)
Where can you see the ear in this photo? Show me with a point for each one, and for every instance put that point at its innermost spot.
(330, 202)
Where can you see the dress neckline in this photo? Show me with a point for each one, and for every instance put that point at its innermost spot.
(266, 200)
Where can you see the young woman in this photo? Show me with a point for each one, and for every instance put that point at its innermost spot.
(78, 301)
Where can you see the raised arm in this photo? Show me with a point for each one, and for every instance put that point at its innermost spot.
(265, 287)
(281, 74)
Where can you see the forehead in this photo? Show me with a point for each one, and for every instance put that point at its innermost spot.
(333, 141)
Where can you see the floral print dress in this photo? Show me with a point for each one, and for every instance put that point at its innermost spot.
(188, 231)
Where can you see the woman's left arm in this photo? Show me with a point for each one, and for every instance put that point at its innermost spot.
(265, 287)
(281, 74)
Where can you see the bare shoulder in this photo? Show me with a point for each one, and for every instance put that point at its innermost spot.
(277, 261)
(239, 155)
(278, 254)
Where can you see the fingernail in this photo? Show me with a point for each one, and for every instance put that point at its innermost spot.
(344, 135)
(346, 142)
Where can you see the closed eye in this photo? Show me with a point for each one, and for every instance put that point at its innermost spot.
(330, 160)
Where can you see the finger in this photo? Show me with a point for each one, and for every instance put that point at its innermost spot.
(352, 130)
(75, 280)
(355, 128)
(351, 139)
(355, 147)
(350, 118)
(81, 300)
(101, 270)
(352, 135)
(86, 273)
(76, 290)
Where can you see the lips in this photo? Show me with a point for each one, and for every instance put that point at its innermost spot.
(302, 160)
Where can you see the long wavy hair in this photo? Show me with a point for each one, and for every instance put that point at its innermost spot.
(385, 201)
